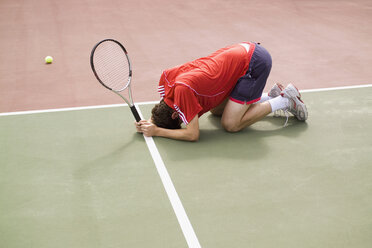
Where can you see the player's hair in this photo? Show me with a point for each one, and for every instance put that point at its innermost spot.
(162, 116)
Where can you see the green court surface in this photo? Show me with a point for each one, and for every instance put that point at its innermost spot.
(83, 179)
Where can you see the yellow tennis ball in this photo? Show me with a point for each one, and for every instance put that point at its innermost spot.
(48, 59)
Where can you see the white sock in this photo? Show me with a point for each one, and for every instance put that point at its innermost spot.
(279, 102)
(265, 97)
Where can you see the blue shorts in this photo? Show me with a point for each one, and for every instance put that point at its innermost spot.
(249, 87)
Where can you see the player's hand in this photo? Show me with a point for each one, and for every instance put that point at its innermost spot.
(138, 127)
(148, 129)
(139, 124)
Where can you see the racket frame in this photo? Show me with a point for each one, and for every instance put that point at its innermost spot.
(127, 86)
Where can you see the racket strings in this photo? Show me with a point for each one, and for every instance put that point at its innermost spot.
(112, 66)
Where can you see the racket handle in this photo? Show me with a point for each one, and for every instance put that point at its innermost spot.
(135, 113)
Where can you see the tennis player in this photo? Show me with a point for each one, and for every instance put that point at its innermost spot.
(229, 83)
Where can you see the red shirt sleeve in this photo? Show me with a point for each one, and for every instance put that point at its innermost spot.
(186, 103)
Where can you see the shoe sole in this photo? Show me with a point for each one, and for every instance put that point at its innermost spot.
(300, 110)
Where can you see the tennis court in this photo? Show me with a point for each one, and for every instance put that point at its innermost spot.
(74, 173)
(82, 178)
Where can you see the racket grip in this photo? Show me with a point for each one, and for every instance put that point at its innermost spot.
(135, 113)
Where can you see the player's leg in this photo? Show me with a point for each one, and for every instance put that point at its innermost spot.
(274, 92)
(238, 116)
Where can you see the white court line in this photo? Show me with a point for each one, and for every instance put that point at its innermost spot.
(154, 102)
(338, 88)
(71, 109)
(178, 208)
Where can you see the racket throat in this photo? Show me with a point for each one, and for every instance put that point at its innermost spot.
(130, 104)
(126, 101)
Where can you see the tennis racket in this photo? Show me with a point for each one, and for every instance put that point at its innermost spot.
(111, 66)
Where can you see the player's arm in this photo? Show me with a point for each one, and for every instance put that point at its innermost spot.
(190, 133)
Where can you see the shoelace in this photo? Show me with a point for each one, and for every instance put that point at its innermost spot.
(278, 113)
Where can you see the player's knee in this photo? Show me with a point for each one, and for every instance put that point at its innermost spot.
(230, 126)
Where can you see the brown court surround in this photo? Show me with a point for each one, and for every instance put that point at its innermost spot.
(314, 44)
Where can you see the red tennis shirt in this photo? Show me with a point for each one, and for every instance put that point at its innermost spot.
(196, 87)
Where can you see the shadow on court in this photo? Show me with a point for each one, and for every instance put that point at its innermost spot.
(249, 144)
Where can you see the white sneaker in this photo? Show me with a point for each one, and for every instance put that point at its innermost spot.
(297, 106)
(275, 90)
(291, 91)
